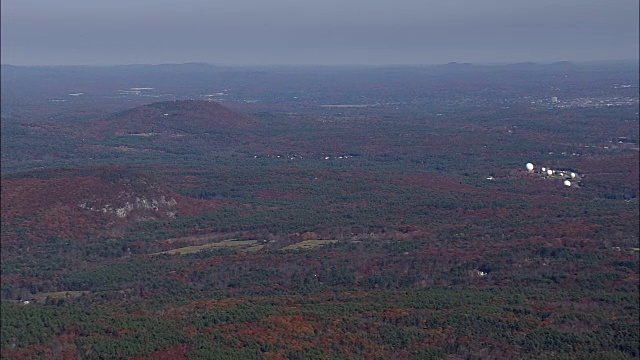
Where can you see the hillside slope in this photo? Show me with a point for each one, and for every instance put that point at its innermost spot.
(175, 118)
(74, 203)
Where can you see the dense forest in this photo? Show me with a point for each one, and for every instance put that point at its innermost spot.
(347, 213)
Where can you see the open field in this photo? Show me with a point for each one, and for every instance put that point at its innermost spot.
(225, 243)
(59, 295)
(308, 244)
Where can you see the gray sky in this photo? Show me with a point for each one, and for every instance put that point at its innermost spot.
(254, 32)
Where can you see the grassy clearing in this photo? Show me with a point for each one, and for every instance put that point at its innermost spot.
(308, 244)
(225, 243)
(59, 295)
(253, 248)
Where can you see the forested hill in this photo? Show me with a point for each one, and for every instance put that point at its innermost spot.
(174, 117)
(73, 203)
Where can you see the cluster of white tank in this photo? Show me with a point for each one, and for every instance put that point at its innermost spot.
(529, 167)
(566, 175)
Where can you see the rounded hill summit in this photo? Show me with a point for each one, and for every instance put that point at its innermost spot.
(176, 117)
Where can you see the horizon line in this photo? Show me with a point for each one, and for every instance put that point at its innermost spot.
(202, 63)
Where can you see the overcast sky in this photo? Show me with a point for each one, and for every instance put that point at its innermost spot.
(255, 32)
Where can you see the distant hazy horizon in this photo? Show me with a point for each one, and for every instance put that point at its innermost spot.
(337, 65)
(333, 32)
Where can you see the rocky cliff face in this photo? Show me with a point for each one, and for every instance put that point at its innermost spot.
(159, 205)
